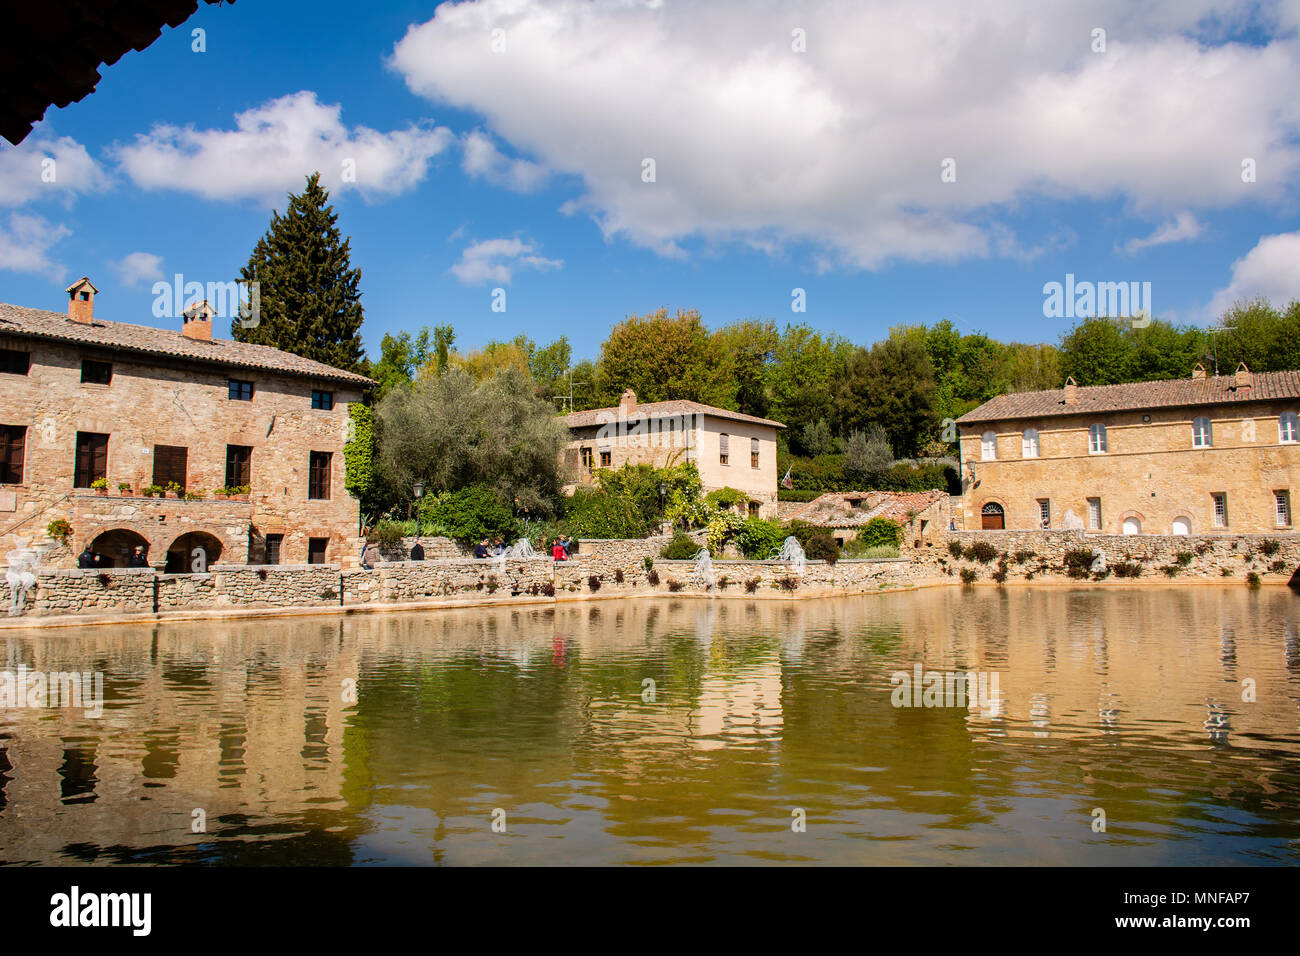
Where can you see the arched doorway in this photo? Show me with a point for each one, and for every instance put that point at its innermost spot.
(114, 547)
(1132, 525)
(1182, 526)
(992, 517)
(193, 552)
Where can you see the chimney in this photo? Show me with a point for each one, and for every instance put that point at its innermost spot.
(81, 301)
(627, 403)
(1244, 378)
(1071, 390)
(1198, 372)
(197, 321)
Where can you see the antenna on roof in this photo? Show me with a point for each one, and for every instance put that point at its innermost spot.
(1214, 351)
(566, 401)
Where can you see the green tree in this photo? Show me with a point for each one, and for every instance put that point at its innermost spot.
(663, 357)
(1096, 352)
(803, 377)
(891, 385)
(400, 359)
(867, 454)
(751, 350)
(310, 294)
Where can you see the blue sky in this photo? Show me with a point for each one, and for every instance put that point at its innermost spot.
(521, 167)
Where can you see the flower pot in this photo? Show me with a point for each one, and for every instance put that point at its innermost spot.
(124, 492)
(241, 497)
(101, 491)
(220, 496)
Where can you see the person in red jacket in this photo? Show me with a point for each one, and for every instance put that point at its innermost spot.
(557, 551)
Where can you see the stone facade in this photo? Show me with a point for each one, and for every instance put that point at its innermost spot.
(151, 403)
(668, 433)
(1155, 472)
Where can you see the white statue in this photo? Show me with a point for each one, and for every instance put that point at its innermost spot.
(21, 575)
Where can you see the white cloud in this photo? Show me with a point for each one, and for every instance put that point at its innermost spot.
(841, 146)
(1271, 269)
(274, 146)
(1179, 229)
(481, 158)
(495, 260)
(138, 267)
(47, 167)
(25, 245)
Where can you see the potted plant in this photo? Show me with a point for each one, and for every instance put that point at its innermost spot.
(221, 494)
(100, 485)
(175, 489)
(59, 530)
(195, 495)
(240, 492)
(152, 491)
(124, 489)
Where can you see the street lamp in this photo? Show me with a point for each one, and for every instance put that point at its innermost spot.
(419, 493)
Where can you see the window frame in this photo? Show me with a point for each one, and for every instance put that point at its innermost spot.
(606, 458)
(323, 551)
(322, 399)
(315, 482)
(163, 480)
(100, 363)
(1029, 448)
(84, 443)
(753, 453)
(7, 445)
(989, 446)
(1202, 439)
(724, 448)
(587, 457)
(235, 389)
(1098, 440)
(247, 465)
(1293, 420)
(278, 540)
(1044, 513)
(8, 356)
(1219, 506)
(1094, 519)
(1282, 501)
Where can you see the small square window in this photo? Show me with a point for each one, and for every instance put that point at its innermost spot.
(322, 400)
(15, 361)
(606, 459)
(96, 373)
(240, 391)
(316, 548)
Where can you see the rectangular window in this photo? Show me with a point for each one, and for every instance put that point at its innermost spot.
(586, 458)
(606, 458)
(240, 391)
(316, 548)
(13, 444)
(170, 464)
(1202, 433)
(1220, 510)
(239, 466)
(96, 373)
(15, 361)
(724, 448)
(1094, 514)
(92, 459)
(273, 542)
(1282, 503)
(989, 446)
(318, 477)
(1044, 512)
(1097, 440)
(322, 400)
(753, 453)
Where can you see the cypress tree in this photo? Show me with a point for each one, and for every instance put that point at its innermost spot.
(310, 302)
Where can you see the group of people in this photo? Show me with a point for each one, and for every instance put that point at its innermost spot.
(561, 548)
(490, 547)
(90, 558)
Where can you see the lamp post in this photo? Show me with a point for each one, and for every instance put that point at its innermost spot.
(418, 489)
(663, 493)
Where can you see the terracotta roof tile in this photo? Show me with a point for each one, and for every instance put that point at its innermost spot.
(1131, 396)
(164, 343)
(833, 509)
(602, 416)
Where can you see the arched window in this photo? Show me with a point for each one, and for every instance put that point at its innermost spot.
(1202, 435)
(1288, 427)
(992, 517)
(1029, 443)
(1182, 526)
(1097, 440)
(1132, 526)
(989, 446)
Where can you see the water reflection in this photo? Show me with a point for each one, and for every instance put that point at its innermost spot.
(1127, 700)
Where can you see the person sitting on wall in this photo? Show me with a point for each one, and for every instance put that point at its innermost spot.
(498, 545)
(88, 558)
(137, 559)
(417, 552)
(558, 552)
(481, 549)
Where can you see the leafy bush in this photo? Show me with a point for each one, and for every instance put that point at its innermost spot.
(823, 547)
(1127, 569)
(1277, 566)
(726, 498)
(1020, 557)
(1170, 570)
(803, 532)
(1269, 547)
(751, 585)
(855, 550)
(473, 513)
(618, 575)
(955, 549)
(968, 575)
(1252, 579)
(593, 582)
(681, 548)
(1183, 558)
(674, 585)
(652, 577)
(649, 563)
(981, 551)
(722, 582)
(596, 513)
(721, 527)
(787, 583)
(881, 532)
(1000, 575)
(759, 538)
(1078, 561)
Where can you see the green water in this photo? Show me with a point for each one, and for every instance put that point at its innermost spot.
(768, 735)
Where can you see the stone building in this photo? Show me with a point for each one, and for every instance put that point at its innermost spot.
(1188, 456)
(730, 449)
(84, 399)
(922, 515)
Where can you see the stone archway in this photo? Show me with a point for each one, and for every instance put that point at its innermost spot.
(115, 545)
(193, 552)
(993, 516)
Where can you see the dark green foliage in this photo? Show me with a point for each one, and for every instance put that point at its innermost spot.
(980, 551)
(473, 513)
(310, 294)
(955, 549)
(1269, 547)
(681, 548)
(823, 547)
(359, 458)
(1020, 557)
(1253, 579)
(388, 535)
(1078, 562)
(595, 513)
(968, 575)
(803, 532)
(1127, 569)
(726, 498)
(1183, 558)
(1170, 570)
(881, 533)
(759, 538)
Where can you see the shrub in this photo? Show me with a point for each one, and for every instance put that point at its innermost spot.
(492, 584)
(721, 527)
(758, 538)
(981, 551)
(1269, 547)
(388, 535)
(823, 547)
(881, 532)
(618, 575)
(124, 486)
(100, 484)
(59, 530)
(723, 582)
(473, 513)
(1127, 569)
(649, 563)
(955, 549)
(1020, 557)
(726, 498)
(751, 585)
(674, 585)
(681, 548)
(596, 513)
(1277, 566)
(1201, 548)
(152, 491)
(593, 582)
(548, 589)
(1000, 575)
(1183, 558)
(968, 575)
(787, 583)
(1101, 575)
(653, 577)
(803, 532)
(1252, 579)
(1078, 561)
(1170, 570)
(854, 550)
(1225, 572)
